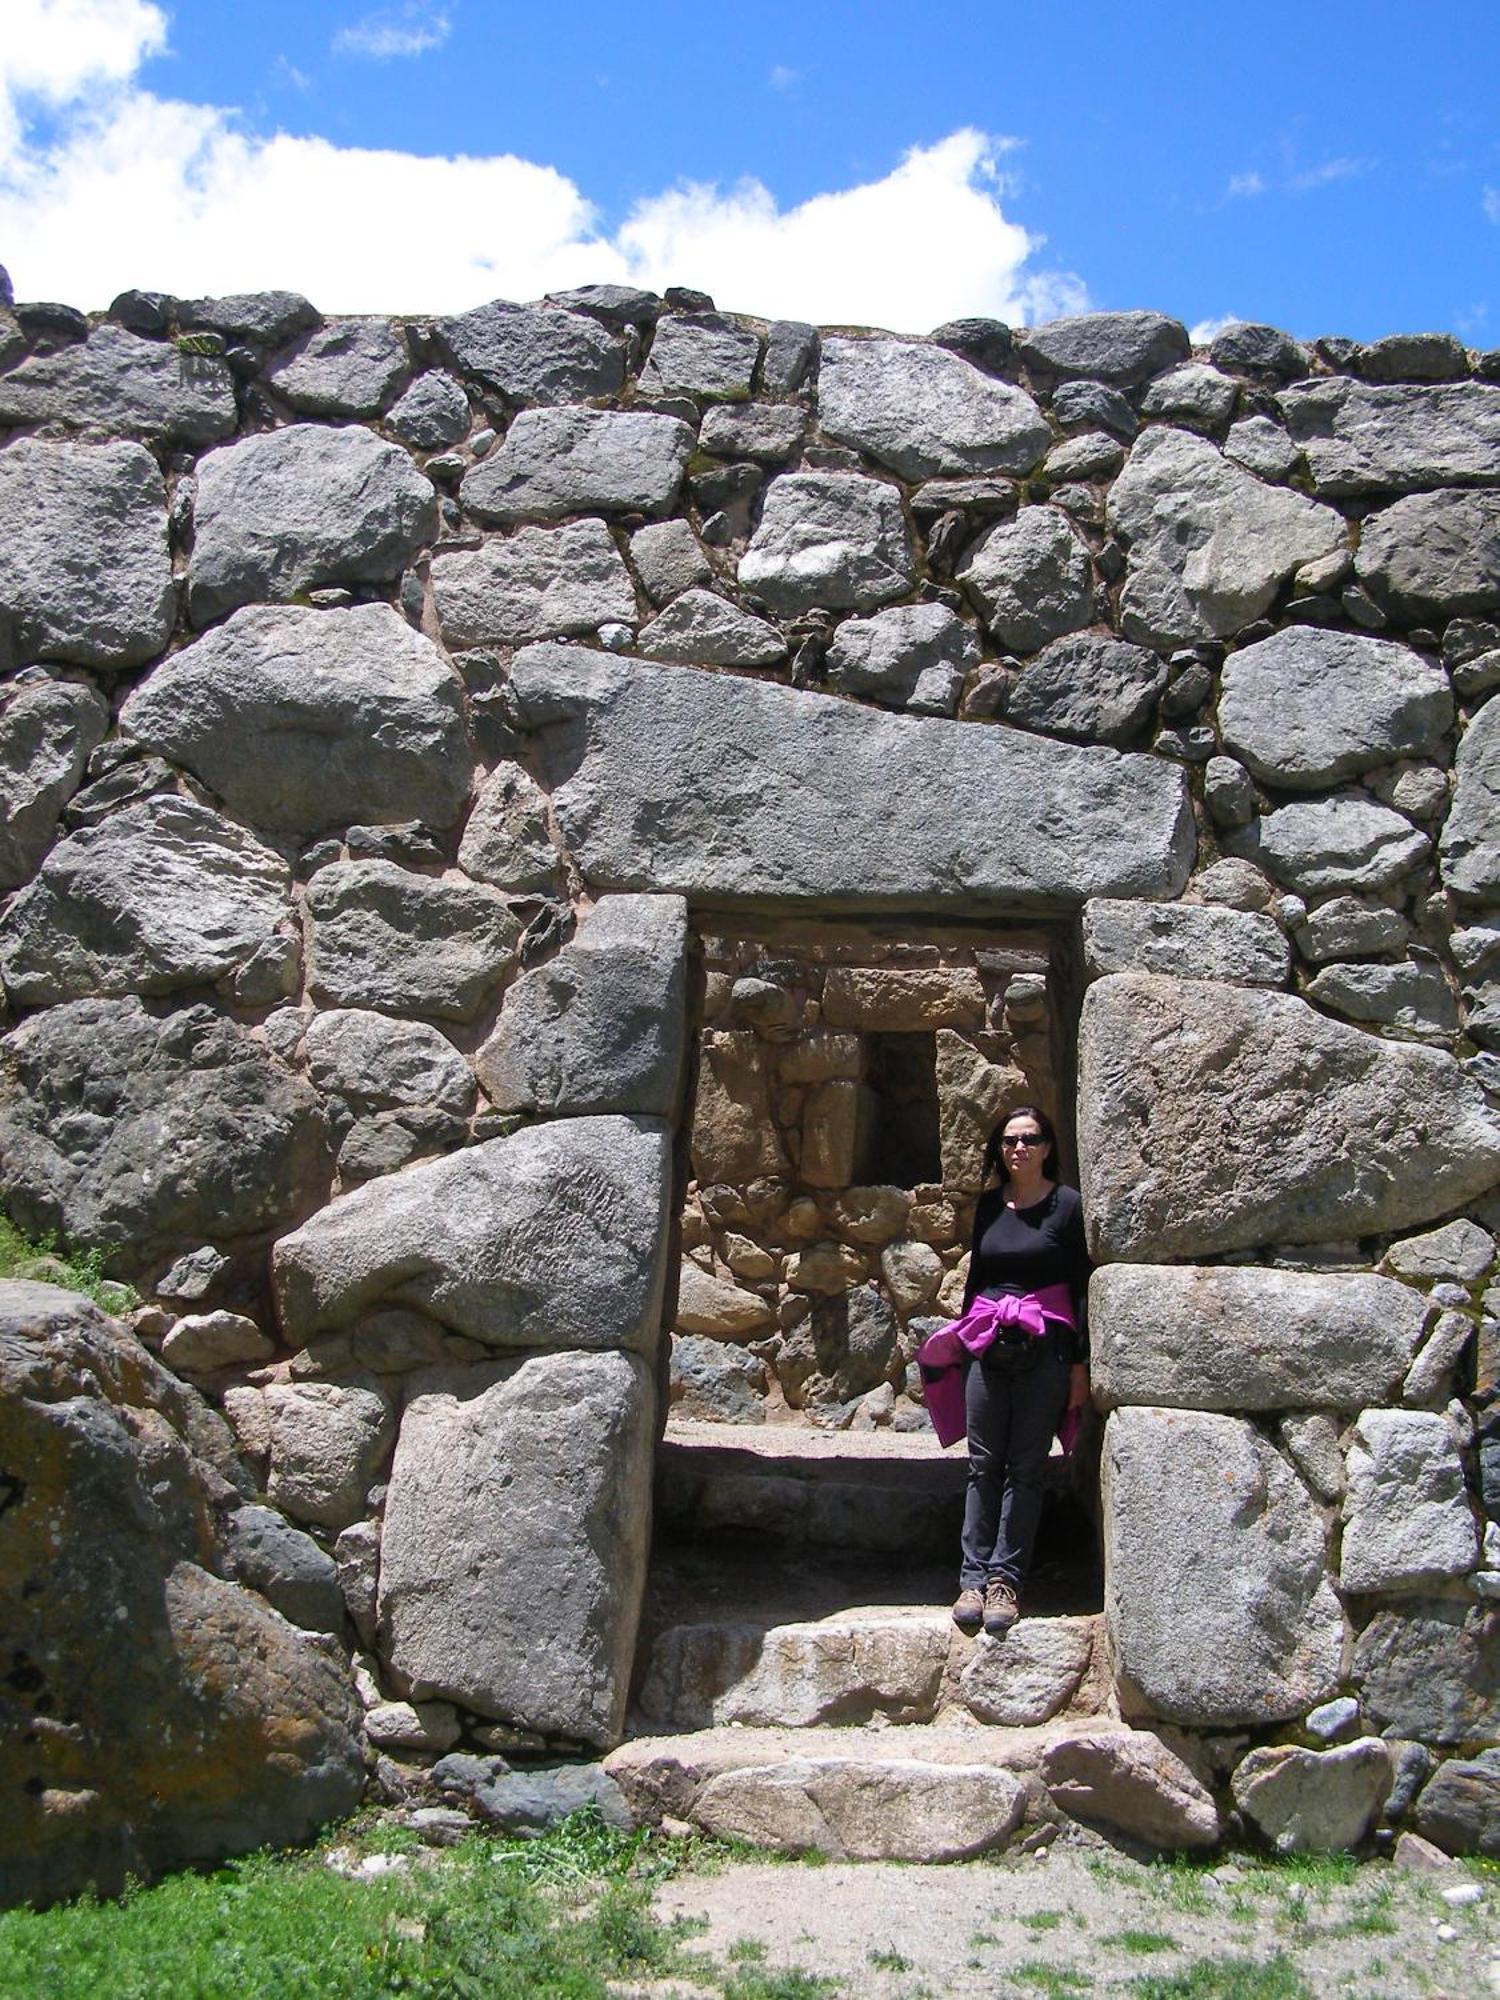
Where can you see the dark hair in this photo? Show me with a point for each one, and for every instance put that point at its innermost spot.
(994, 1158)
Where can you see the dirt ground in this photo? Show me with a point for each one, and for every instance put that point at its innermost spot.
(1086, 1920)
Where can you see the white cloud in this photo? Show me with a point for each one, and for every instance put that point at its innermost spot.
(784, 78)
(1243, 186)
(1205, 331)
(394, 31)
(132, 189)
(1491, 199)
(56, 52)
(1327, 173)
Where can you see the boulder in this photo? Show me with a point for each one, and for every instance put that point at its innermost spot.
(114, 384)
(648, 795)
(1314, 1801)
(1210, 546)
(602, 1026)
(921, 410)
(1194, 394)
(203, 1724)
(1413, 998)
(268, 318)
(1192, 940)
(1031, 579)
(1431, 1670)
(552, 1237)
(48, 728)
(1216, 1118)
(701, 354)
(541, 583)
(84, 570)
(765, 432)
(1030, 1675)
(159, 896)
(286, 511)
(1460, 1253)
(1362, 437)
(914, 656)
(1246, 347)
(1345, 927)
(526, 1803)
(432, 413)
(199, 1343)
(1434, 554)
(973, 1094)
(718, 1309)
(1264, 449)
(559, 462)
(329, 1440)
(831, 540)
(346, 368)
(1232, 1337)
(1091, 689)
(1460, 1807)
(534, 354)
(1470, 843)
(1307, 706)
(1118, 347)
(709, 1382)
(381, 936)
(137, 1134)
(370, 1062)
(700, 626)
(1219, 1610)
(420, 1727)
(668, 558)
(860, 1809)
(526, 1612)
(1341, 843)
(1407, 1522)
(266, 1553)
(843, 1669)
(1131, 1781)
(506, 842)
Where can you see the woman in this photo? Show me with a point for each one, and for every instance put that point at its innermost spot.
(1028, 1251)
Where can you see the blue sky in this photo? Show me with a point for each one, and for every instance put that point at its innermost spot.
(1326, 168)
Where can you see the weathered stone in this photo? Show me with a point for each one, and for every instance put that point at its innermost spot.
(1195, 941)
(1247, 347)
(824, 1269)
(791, 351)
(701, 354)
(1031, 579)
(1460, 1807)
(1312, 1443)
(266, 317)
(506, 841)
(1460, 1252)
(1192, 394)
(348, 368)
(1434, 554)
(1130, 1780)
(1363, 438)
(558, 462)
(542, 583)
(835, 540)
(1429, 1380)
(201, 1342)
(908, 1000)
(302, 719)
(700, 626)
(1210, 546)
(535, 1801)
(534, 354)
(1470, 844)
(668, 558)
(1415, 357)
(1123, 347)
(286, 511)
(116, 385)
(837, 1123)
(371, 1063)
(973, 1094)
(288, 1568)
(1264, 449)
(1091, 689)
(733, 1138)
(842, 1669)
(1412, 998)
(1219, 1610)
(1222, 1337)
(157, 1715)
(915, 656)
(921, 410)
(638, 754)
(413, 1726)
(380, 936)
(1095, 455)
(1215, 1118)
(47, 730)
(1348, 928)
(1343, 842)
(1238, 885)
(550, 1237)
(1406, 1517)
(1431, 1670)
(433, 412)
(356, 1556)
(84, 570)
(718, 1309)
(864, 1810)
(328, 1441)
(766, 432)
(568, 1438)
(710, 1382)
(1314, 1801)
(1032, 1676)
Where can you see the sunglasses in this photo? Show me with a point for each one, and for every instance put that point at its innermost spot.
(1023, 1139)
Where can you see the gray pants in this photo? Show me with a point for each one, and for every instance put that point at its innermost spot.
(1011, 1420)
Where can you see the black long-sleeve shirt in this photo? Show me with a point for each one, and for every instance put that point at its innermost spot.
(1020, 1250)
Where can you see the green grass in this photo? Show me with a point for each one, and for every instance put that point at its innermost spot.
(20, 1255)
(1228, 1979)
(1141, 1943)
(1057, 1980)
(888, 1961)
(1042, 1920)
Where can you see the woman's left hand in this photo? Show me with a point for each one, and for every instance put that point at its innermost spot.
(1078, 1386)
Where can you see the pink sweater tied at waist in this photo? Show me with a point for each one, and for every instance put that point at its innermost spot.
(943, 1353)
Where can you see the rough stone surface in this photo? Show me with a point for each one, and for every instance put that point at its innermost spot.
(1029, 1676)
(1215, 1118)
(1222, 1337)
(923, 411)
(1219, 1610)
(1434, 553)
(123, 1130)
(328, 1441)
(701, 627)
(1314, 1801)
(266, 317)
(349, 368)
(542, 583)
(48, 728)
(534, 354)
(862, 1810)
(1195, 941)
(1470, 844)
(551, 1237)
(1371, 438)
(1413, 998)
(1407, 1522)
(1344, 842)
(433, 412)
(1431, 1670)
(669, 559)
(381, 936)
(1133, 1782)
(506, 841)
(205, 1726)
(529, 1612)
(371, 1063)
(84, 570)
(302, 720)
(289, 510)
(1460, 1807)
(558, 462)
(767, 432)
(1210, 546)
(1031, 579)
(713, 1383)
(534, 1801)
(202, 1342)
(1094, 690)
(290, 1571)
(1459, 1252)
(637, 757)
(832, 539)
(700, 354)
(116, 385)
(1194, 394)
(1345, 927)
(602, 1026)
(914, 656)
(1117, 347)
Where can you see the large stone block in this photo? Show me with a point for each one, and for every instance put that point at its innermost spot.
(733, 1137)
(861, 1809)
(602, 1026)
(1130, 1780)
(921, 410)
(552, 1237)
(671, 780)
(47, 730)
(1031, 578)
(1431, 1670)
(1314, 1801)
(1031, 1675)
(701, 354)
(1220, 1612)
(1216, 1118)
(328, 1442)
(84, 570)
(542, 583)
(1192, 940)
(525, 1611)
(912, 656)
(843, 1669)
(1407, 1522)
(382, 936)
(304, 719)
(1460, 1808)
(831, 540)
(1342, 843)
(1434, 554)
(1362, 437)
(370, 1062)
(1092, 689)
(1231, 1337)
(534, 354)
(349, 368)
(1123, 347)
(115, 384)
(559, 462)
(1470, 842)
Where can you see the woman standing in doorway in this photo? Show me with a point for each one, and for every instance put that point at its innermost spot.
(1028, 1257)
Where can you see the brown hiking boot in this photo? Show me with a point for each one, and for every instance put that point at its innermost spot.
(968, 1612)
(1000, 1607)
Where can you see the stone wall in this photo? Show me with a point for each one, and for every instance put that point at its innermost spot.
(381, 701)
